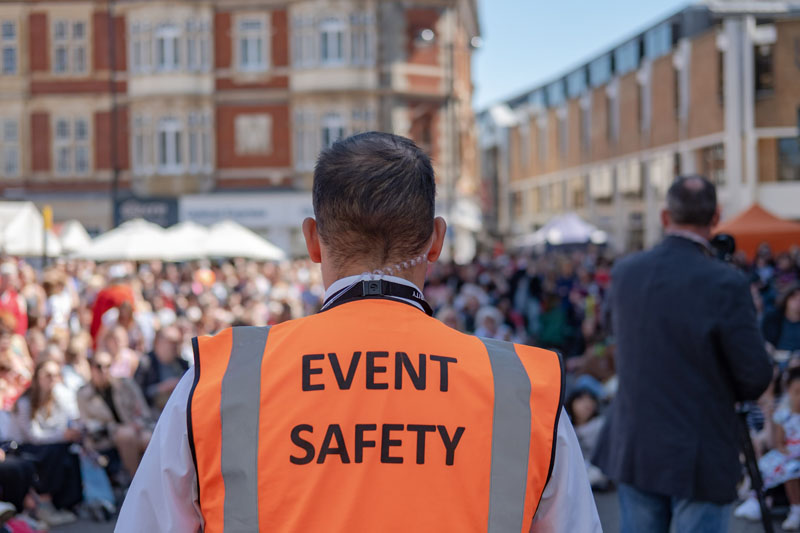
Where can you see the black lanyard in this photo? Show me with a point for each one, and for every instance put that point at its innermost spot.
(379, 289)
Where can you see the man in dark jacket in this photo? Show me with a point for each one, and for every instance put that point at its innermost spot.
(688, 349)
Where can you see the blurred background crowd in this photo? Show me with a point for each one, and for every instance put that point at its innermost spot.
(89, 354)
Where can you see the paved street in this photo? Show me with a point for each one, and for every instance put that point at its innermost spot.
(606, 505)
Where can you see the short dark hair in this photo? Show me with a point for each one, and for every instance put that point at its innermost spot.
(692, 200)
(374, 196)
(792, 374)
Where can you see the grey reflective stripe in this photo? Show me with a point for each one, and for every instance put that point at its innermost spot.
(511, 438)
(239, 411)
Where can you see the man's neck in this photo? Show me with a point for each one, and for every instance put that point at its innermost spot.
(691, 232)
(415, 275)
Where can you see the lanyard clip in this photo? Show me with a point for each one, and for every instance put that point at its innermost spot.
(372, 288)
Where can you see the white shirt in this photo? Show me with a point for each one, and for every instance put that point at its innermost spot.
(163, 495)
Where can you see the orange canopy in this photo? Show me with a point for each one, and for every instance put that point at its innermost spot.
(756, 225)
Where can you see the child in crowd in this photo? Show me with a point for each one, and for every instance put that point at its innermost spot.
(782, 465)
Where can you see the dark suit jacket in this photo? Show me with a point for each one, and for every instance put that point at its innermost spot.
(688, 348)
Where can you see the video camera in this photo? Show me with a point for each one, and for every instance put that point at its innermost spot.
(724, 246)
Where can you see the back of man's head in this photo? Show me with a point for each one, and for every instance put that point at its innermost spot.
(692, 201)
(374, 196)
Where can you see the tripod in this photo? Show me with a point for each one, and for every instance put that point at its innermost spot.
(752, 468)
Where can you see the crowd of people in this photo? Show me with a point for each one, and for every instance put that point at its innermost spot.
(89, 354)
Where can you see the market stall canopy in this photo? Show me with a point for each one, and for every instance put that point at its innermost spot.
(22, 231)
(73, 237)
(186, 241)
(564, 229)
(755, 226)
(229, 239)
(135, 240)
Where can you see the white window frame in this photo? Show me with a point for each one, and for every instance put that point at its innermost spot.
(10, 147)
(198, 139)
(74, 46)
(9, 44)
(330, 123)
(167, 36)
(332, 33)
(71, 146)
(361, 38)
(250, 40)
(170, 154)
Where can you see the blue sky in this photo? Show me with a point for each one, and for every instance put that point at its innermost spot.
(526, 42)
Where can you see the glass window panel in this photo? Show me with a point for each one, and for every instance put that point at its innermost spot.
(789, 159)
(60, 30)
(78, 30)
(176, 52)
(80, 59)
(254, 25)
(162, 148)
(60, 59)
(63, 159)
(191, 53)
(193, 149)
(178, 151)
(9, 60)
(9, 31)
(81, 130)
(11, 160)
(62, 129)
(600, 71)
(82, 159)
(161, 53)
(10, 131)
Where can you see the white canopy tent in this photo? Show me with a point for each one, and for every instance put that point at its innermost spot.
(564, 229)
(135, 240)
(22, 231)
(229, 239)
(186, 241)
(74, 237)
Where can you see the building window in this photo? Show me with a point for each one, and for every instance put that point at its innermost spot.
(713, 160)
(168, 49)
(71, 147)
(69, 47)
(577, 83)
(199, 142)
(765, 70)
(8, 36)
(252, 44)
(626, 57)
(331, 41)
(142, 145)
(305, 140)
(600, 71)
(658, 41)
(170, 155)
(361, 40)
(332, 129)
(676, 92)
(789, 159)
(10, 148)
(197, 45)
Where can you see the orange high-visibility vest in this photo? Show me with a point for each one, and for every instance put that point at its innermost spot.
(371, 416)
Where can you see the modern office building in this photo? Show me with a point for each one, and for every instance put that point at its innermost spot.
(713, 89)
(209, 109)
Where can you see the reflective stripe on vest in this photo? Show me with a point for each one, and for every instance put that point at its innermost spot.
(511, 437)
(248, 401)
(239, 412)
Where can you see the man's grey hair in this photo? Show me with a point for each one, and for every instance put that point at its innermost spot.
(692, 201)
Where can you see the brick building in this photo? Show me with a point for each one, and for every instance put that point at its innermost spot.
(207, 109)
(713, 89)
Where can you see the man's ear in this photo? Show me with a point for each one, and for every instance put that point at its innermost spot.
(715, 220)
(666, 220)
(439, 232)
(312, 239)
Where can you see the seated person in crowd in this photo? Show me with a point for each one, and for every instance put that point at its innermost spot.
(582, 407)
(781, 327)
(45, 416)
(114, 413)
(16, 366)
(124, 360)
(160, 371)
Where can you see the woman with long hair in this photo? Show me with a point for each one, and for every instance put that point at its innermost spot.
(45, 417)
